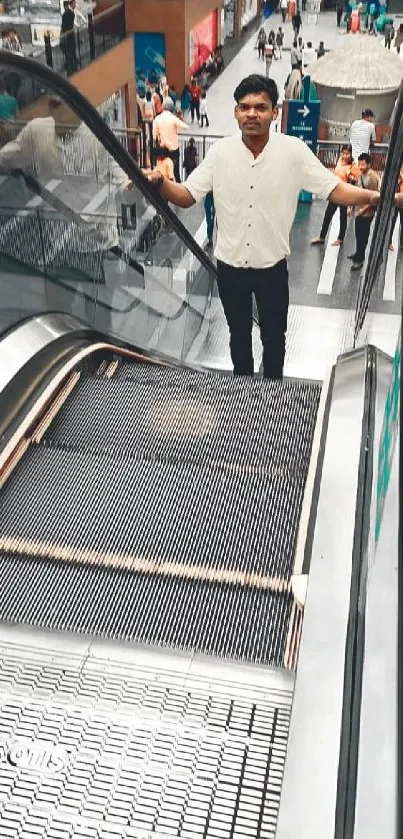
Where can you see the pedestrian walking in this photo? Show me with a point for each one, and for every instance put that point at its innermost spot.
(340, 6)
(368, 180)
(203, 111)
(347, 171)
(186, 99)
(284, 9)
(268, 54)
(256, 178)
(165, 133)
(399, 38)
(296, 58)
(362, 133)
(195, 93)
(389, 34)
(261, 42)
(280, 42)
(297, 23)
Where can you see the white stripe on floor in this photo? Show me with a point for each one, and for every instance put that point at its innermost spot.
(36, 200)
(96, 201)
(180, 270)
(329, 264)
(389, 289)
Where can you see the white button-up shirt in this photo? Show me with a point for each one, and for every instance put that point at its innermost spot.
(256, 199)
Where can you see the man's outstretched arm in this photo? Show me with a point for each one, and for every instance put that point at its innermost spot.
(347, 195)
(169, 190)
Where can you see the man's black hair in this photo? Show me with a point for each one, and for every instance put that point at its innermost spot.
(257, 84)
(364, 156)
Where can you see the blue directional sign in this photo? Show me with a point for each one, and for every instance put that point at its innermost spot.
(303, 121)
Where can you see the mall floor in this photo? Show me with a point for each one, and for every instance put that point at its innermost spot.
(323, 291)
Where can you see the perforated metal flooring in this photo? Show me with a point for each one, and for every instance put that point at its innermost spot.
(98, 751)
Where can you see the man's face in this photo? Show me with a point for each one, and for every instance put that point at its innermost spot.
(254, 114)
(363, 166)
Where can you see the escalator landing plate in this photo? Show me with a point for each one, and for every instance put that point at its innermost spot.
(95, 750)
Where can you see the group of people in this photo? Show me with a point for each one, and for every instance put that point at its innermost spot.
(190, 104)
(167, 113)
(370, 17)
(354, 167)
(271, 44)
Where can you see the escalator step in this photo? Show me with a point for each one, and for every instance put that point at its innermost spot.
(266, 426)
(146, 509)
(236, 622)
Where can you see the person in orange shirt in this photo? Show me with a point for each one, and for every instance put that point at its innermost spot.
(164, 163)
(400, 213)
(347, 171)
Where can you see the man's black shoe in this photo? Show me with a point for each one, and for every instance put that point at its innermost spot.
(356, 266)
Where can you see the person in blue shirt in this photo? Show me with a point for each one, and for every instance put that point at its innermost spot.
(186, 98)
(209, 210)
(8, 104)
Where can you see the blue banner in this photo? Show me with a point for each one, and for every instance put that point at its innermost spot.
(149, 56)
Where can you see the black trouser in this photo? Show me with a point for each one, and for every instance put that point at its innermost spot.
(202, 118)
(236, 287)
(260, 49)
(195, 109)
(330, 211)
(362, 229)
(176, 160)
(284, 14)
(339, 13)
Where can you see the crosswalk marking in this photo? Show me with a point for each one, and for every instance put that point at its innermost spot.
(389, 289)
(329, 264)
(36, 200)
(98, 199)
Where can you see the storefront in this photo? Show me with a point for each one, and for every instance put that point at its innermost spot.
(248, 11)
(202, 41)
(228, 20)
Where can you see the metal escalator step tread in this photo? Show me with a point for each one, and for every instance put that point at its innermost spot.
(163, 511)
(254, 426)
(233, 622)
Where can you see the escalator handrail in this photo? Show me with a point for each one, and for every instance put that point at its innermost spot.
(105, 136)
(378, 252)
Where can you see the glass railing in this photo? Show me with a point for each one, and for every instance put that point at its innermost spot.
(68, 52)
(84, 233)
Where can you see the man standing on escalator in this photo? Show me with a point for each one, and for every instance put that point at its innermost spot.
(256, 177)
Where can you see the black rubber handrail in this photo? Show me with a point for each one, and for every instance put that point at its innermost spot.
(90, 116)
(378, 252)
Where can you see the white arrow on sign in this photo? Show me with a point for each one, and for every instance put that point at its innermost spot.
(304, 111)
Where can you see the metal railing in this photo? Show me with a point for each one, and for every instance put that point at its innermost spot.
(139, 142)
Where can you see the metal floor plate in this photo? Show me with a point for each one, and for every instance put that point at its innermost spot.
(95, 750)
